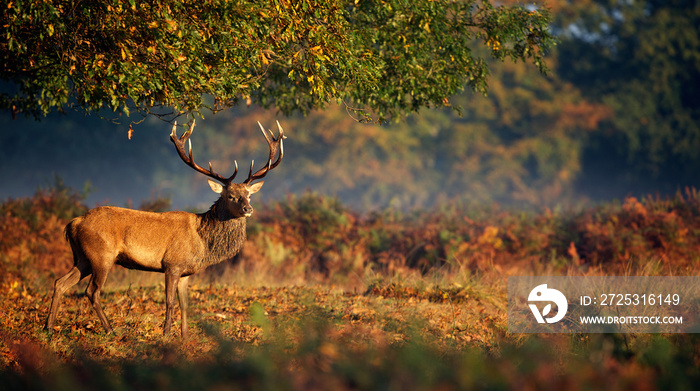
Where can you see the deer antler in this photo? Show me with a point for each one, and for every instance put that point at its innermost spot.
(274, 144)
(180, 146)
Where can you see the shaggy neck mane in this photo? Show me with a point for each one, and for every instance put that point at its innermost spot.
(223, 234)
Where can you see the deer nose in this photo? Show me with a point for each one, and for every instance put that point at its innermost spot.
(248, 210)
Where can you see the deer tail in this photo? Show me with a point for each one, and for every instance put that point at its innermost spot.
(70, 234)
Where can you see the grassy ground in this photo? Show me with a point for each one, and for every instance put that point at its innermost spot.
(327, 299)
(394, 335)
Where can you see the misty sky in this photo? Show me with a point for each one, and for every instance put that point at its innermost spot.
(91, 150)
(117, 169)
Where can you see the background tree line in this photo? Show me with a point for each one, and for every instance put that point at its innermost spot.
(617, 114)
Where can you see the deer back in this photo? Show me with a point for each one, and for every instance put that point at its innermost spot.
(140, 240)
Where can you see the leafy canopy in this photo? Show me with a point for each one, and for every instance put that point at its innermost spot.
(384, 57)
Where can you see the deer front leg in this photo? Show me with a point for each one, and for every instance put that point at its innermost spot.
(99, 276)
(182, 297)
(170, 281)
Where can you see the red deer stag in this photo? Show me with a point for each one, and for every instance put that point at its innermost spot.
(178, 244)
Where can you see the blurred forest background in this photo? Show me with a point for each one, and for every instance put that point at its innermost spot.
(618, 115)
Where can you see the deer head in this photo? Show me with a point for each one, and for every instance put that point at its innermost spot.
(234, 196)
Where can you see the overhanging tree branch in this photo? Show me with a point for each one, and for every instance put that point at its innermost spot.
(389, 57)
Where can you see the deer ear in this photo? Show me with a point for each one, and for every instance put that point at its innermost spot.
(216, 187)
(254, 188)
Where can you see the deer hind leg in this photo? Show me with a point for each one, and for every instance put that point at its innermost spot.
(77, 273)
(99, 276)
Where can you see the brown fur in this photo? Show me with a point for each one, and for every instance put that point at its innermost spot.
(177, 244)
